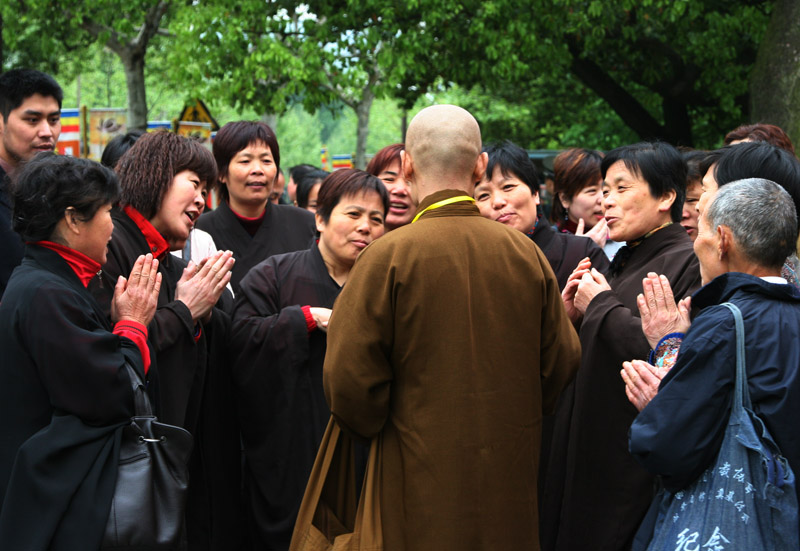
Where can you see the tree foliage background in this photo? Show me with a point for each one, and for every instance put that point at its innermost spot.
(543, 73)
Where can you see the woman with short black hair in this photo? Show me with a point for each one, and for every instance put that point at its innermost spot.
(245, 222)
(66, 393)
(279, 339)
(509, 193)
(643, 187)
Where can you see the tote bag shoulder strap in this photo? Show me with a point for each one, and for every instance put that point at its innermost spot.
(741, 398)
(141, 402)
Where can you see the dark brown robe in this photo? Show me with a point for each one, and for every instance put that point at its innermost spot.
(448, 344)
(598, 496)
(284, 229)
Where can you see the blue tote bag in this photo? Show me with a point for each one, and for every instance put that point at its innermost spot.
(744, 501)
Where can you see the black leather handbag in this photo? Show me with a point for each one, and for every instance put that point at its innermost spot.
(152, 481)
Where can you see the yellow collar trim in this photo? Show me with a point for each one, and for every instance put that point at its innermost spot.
(443, 203)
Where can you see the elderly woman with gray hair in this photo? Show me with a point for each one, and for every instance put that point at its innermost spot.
(744, 237)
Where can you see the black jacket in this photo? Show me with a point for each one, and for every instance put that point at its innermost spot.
(278, 374)
(59, 357)
(190, 386)
(11, 246)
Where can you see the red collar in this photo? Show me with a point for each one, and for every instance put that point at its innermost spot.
(250, 225)
(248, 219)
(158, 245)
(83, 266)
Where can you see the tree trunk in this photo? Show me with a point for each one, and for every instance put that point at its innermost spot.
(133, 62)
(775, 79)
(363, 108)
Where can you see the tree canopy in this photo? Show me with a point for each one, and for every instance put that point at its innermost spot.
(544, 73)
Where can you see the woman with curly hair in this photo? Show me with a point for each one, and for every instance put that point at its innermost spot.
(66, 394)
(164, 179)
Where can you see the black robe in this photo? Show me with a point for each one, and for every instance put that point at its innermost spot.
(284, 229)
(278, 375)
(595, 493)
(190, 386)
(564, 251)
(59, 356)
(11, 246)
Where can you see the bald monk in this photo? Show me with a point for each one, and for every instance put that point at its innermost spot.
(447, 345)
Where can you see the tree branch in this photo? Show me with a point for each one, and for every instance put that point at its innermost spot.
(620, 100)
(149, 28)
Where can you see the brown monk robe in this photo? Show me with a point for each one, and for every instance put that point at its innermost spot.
(447, 344)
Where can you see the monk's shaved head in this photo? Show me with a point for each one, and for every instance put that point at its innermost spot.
(444, 140)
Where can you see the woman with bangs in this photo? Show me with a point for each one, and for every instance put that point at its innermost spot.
(578, 203)
(245, 222)
(164, 179)
(509, 194)
(66, 393)
(386, 166)
(279, 336)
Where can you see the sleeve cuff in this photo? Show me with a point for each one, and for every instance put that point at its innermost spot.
(310, 323)
(137, 333)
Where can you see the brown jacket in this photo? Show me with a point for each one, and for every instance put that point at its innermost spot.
(448, 342)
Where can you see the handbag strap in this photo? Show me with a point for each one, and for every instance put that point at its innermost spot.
(141, 403)
(741, 398)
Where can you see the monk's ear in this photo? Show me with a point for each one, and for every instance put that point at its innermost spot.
(479, 171)
(406, 165)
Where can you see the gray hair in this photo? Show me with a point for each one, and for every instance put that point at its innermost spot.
(761, 216)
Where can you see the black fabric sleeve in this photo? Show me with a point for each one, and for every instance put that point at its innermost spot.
(79, 362)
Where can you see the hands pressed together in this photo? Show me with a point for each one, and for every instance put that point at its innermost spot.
(202, 284)
(136, 298)
(583, 284)
(661, 316)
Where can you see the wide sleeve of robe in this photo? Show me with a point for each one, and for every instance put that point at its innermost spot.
(560, 347)
(79, 362)
(262, 326)
(278, 379)
(610, 320)
(360, 334)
